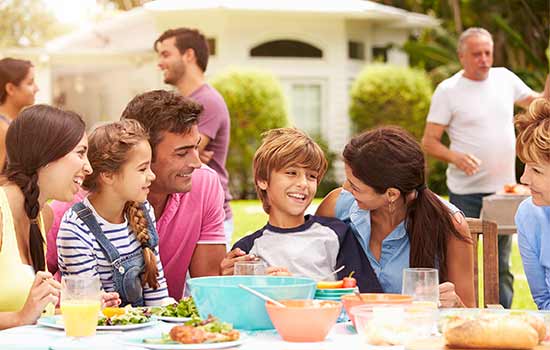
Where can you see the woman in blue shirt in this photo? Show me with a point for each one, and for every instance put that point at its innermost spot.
(398, 220)
(533, 215)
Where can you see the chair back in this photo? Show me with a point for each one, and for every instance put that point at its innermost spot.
(489, 230)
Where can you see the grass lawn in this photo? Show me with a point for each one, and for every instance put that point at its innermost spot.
(249, 217)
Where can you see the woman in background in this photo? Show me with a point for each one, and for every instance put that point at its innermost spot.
(17, 90)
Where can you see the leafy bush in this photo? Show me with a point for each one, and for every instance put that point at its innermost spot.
(392, 95)
(256, 104)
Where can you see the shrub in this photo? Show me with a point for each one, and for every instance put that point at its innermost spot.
(256, 104)
(392, 95)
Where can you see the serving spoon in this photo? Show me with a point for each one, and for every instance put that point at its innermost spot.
(262, 296)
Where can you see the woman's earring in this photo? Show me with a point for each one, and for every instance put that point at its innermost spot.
(391, 208)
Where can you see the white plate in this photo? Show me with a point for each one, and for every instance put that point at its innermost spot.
(138, 341)
(173, 319)
(57, 323)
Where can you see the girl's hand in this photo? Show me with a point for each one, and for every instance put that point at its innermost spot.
(44, 290)
(111, 299)
(448, 296)
(227, 264)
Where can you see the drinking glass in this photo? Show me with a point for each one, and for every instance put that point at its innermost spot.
(253, 267)
(80, 305)
(422, 284)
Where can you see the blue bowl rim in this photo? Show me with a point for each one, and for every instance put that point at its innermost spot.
(302, 281)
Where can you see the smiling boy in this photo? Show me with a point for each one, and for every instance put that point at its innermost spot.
(288, 167)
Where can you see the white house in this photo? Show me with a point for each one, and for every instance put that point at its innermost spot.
(315, 47)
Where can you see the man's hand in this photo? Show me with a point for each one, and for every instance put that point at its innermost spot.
(205, 156)
(227, 264)
(468, 163)
(546, 92)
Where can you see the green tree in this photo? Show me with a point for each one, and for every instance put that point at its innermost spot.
(256, 104)
(26, 23)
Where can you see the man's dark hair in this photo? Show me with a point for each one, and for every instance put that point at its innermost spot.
(161, 111)
(187, 38)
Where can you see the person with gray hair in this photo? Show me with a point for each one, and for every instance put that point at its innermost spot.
(476, 109)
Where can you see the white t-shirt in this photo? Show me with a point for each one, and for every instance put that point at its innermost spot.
(479, 118)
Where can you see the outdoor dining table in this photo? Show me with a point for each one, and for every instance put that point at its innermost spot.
(342, 336)
(501, 208)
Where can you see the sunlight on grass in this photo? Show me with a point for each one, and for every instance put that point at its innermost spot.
(250, 217)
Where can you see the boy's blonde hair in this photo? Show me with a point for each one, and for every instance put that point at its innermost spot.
(282, 148)
(533, 126)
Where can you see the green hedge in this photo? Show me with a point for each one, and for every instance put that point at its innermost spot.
(385, 94)
(256, 104)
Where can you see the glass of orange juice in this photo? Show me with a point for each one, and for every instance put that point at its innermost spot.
(80, 304)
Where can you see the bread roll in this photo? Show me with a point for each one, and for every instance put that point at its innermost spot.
(492, 333)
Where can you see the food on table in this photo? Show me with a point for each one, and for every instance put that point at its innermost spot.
(129, 316)
(330, 284)
(517, 189)
(185, 308)
(349, 282)
(197, 331)
(113, 311)
(516, 330)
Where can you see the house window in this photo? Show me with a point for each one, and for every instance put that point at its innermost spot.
(380, 53)
(211, 46)
(356, 50)
(305, 107)
(286, 48)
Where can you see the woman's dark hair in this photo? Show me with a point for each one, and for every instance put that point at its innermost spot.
(390, 157)
(40, 135)
(12, 71)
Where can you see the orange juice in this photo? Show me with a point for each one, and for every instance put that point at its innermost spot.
(80, 317)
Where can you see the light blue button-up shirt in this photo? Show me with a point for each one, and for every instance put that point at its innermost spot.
(533, 224)
(396, 247)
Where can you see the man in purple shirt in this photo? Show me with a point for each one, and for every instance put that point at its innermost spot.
(183, 58)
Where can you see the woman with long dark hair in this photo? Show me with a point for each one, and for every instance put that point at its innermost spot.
(398, 220)
(47, 159)
(17, 90)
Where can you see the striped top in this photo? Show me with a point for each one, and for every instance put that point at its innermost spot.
(80, 253)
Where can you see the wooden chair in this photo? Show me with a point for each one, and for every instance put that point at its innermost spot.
(489, 230)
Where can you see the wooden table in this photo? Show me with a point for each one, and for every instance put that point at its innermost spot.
(502, 208)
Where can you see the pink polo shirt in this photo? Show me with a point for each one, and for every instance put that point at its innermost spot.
(190, 218)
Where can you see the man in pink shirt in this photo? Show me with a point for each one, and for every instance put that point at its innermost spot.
(186, 195)
(183, 57)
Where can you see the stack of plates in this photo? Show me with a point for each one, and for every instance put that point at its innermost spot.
(335, 294)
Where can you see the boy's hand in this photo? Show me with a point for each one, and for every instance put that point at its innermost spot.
(278, 271)
(226, 266)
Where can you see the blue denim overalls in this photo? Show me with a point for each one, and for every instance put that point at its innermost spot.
(127, 270)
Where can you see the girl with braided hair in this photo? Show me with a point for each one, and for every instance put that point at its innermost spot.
(111, 233)
(46, 149)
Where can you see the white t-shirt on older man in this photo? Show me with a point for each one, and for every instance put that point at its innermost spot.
(479, 117)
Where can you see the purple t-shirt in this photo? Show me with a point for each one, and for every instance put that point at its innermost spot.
(214, 123)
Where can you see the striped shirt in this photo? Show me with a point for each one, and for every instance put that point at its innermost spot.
(79, 253)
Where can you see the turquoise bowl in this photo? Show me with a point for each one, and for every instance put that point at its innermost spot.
(221, 296)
